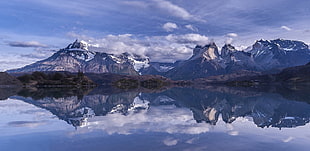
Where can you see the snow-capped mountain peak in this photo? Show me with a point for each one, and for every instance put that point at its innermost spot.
(78, 45)
(82, 55)
(290, 45)
(78, 57)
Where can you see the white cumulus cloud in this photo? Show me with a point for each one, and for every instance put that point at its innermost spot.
(170, 142)
(158, 48)
(169, 27)
(181, 121)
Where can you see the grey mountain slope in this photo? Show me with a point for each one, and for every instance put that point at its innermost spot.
(158, 68)
(237, 60)
(264, 56)
(280, 53)
(76, 57)
(204, 62)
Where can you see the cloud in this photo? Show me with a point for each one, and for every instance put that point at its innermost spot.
(180, 122)
(288, 139)
(170, 142)
(77, 7)
(117, 44)
(22, 49)
(191, 141)
(286, 28)
(169, 27)
(39, 53)
(230, 37)
(26, 123)
(32, 44)
(173, 9)
(188, 39)
(78, 36)
(158, 48)
(10, 64)
(166, 8)
(191, 27)
(233, 133)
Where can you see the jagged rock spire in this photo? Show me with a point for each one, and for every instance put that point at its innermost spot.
(209, 52)
(227, 49)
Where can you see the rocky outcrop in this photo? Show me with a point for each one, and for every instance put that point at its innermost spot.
(204, 62)
(56, 79)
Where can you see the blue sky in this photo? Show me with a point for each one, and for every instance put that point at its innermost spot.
(164, 30)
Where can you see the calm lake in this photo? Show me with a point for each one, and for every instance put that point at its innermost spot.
(213, 118)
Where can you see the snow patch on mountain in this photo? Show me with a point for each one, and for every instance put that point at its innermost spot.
(139, 62)
(163, 67)
(82, 55)
(116, 59)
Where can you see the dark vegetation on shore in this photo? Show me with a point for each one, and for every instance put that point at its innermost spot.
(7, 80)
(299, 75)
(288, 77)
(56, 79)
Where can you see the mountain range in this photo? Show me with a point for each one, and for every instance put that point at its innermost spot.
(76, 57)
(266, 56)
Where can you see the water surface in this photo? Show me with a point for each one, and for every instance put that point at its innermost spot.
(213, 118)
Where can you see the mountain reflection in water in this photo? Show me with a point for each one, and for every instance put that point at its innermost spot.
(267, 107)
